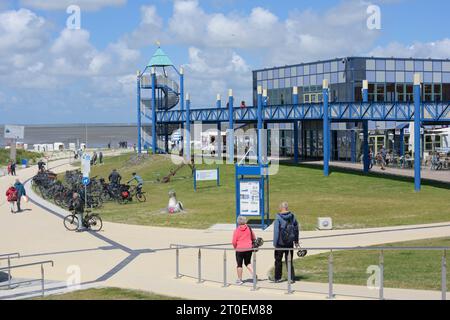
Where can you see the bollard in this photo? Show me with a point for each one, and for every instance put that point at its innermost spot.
(177, 263)
(254, 272)
(42, 280)
(199, 266)
(381, 275)
(9, 273)
(289, 271)
(330, 276)
(225, 284)
(444, 276)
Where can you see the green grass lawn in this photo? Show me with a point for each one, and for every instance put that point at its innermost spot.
(402, 269)
(108, 294)
(21, 154)
(352, 200)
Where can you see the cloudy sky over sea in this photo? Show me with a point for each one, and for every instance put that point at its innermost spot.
(52, 74)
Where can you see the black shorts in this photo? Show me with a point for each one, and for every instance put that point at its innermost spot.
(244, 257)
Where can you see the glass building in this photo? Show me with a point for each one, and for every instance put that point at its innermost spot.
(390, 79)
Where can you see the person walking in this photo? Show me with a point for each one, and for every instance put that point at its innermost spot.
(11, 197)
(20, 193)
(100, 157)
(243, 238)
(370, 159)
(9, 168)
(286, 236)
(13, 168)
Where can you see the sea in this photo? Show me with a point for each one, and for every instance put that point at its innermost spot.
(96, 135)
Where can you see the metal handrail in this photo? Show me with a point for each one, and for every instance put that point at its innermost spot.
(381, 249)
(9, 256)
(42, 279)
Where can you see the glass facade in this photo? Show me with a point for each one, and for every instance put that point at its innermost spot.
(391, 79)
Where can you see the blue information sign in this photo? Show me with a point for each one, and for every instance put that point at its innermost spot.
(86, 181)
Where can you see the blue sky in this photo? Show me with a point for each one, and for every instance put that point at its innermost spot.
(49, 74)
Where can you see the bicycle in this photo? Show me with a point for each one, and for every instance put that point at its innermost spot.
(91, 221)
(129, 192)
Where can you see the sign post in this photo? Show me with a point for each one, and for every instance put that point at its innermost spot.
(86, 170)
(206, 175)
(14, 133)
(252, 192)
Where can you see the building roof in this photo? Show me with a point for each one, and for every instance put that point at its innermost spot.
(160, 59)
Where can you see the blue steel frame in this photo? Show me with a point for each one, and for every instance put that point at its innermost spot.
(438, 113)
(259, 174)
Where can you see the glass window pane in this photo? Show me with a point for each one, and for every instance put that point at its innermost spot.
(370, 75)
(270, 74)
(259, 75)
(370, 64)
(342, 65)
(264, 85)
(281, 73)
(390, 76)
(341, 77)
(270, 84)
(320, 79)
(320, 68)
(409, 76)
(390, 65)
(381, 76)
(306, 81)
(446, 77)
(428, 77)
(294, 82)
(437, 77)
(264, 76)
(275, 84)
(328, 77)
(306, 69)
(313, 69)
(300, 70)
(281, 83)
(293, 72)
(313, 80)
(437, 66)
(446, 66)
(276, 73)
(418, 66)
(287, 83)
(334, 66)
(287, 72)
(300, 81)
(399, 76)
(409, 65)
(334, 78)
(428, 66)
(381, 65)
(327, 67)
(400, 65)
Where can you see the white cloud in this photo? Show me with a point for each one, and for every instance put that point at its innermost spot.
(89, 5)
(437, 49)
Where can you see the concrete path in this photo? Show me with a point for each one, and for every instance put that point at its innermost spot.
(427, 174)
(138, 257)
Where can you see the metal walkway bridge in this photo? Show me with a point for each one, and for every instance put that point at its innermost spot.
(431, 113)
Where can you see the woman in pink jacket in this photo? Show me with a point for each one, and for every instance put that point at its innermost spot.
(243, 238)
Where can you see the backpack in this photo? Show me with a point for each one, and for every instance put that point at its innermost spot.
(288, 232)
(14, 195)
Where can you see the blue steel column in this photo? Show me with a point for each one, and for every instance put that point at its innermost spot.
(365, 94)
(417, 121)
(260, 124)
(402, 142)
(219, 128)
(187, 138)
(295, 102)
(353, 146)
(326, 131)
(230, 135)
(139, 114)
(154, 141)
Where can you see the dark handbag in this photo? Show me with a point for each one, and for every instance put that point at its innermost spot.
(256, 243)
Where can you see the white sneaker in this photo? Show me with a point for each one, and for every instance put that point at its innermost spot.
(239, 282)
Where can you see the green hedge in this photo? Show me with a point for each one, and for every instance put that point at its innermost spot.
(32, 157)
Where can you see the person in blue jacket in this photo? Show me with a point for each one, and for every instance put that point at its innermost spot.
(20, 193)
(286, 235)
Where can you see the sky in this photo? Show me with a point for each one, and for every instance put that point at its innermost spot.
(52, 73)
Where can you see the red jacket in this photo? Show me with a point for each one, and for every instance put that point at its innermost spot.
(11, 194)
(243, 237)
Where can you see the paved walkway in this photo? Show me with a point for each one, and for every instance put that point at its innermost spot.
(137, 257)
(427, 174)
